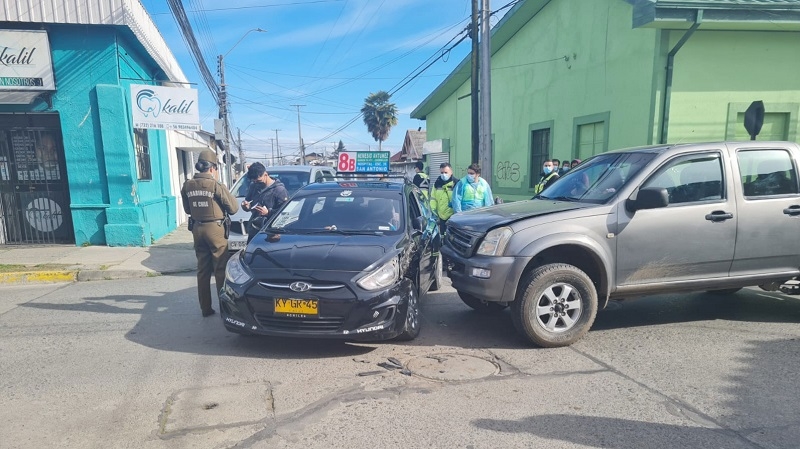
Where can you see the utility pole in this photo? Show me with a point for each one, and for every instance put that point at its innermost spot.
(486, 94)
(300, 135)
(278, 147)
(223, 115)
(474, 79)
(241, 151)
(272, 145)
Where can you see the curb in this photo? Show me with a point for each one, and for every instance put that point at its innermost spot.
(37, 277)
(50, 277)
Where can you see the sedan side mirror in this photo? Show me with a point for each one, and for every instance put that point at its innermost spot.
(649, 198)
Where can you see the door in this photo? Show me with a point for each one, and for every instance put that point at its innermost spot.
(692, 238)
(422, 239)
(769, 211)
(33, 180)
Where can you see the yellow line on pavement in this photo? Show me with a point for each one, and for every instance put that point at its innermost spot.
(37, 276)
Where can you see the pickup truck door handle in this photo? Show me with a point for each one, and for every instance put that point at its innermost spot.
(793, 210)
(719, 215)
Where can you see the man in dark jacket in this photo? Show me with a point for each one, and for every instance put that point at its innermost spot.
(264, 197)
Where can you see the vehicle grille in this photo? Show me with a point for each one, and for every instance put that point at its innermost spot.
(292, 324)
(239, 227)
(462, 241)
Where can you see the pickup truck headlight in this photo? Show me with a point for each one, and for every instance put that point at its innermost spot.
(235, 271)
(495, 242)
(382, 277)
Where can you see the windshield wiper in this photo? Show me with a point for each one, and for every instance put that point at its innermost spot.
(344, 232)
(564, 198)
(276, 231)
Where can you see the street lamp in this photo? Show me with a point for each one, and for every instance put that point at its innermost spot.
(223, 105)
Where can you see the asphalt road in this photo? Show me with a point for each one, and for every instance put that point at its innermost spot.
(132, 364)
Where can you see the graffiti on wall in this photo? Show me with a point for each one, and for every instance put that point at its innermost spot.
(507, 171)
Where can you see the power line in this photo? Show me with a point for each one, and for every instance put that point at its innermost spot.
(185, 27)
(232, 8)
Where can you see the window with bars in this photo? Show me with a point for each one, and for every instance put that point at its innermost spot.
(142, 143)
(540, 152)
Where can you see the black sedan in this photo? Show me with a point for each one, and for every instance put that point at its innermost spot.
(345, 260)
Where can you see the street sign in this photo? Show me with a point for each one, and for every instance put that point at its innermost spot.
(363, 162)
(754, 118)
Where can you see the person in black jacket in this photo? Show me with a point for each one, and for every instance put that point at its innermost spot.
(264, 197)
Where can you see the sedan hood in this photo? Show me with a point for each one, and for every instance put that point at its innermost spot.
(326, 252)
(481, 220)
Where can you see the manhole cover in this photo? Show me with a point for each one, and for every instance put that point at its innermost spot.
(452, 367)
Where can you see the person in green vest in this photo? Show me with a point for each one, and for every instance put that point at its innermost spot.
(549, 175)
(442, 195)
(472, 191)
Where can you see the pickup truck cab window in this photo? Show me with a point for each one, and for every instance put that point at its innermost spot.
(690, 179)
(767, 173)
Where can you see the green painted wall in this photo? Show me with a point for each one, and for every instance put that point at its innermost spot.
(573, 59)
(719, 73)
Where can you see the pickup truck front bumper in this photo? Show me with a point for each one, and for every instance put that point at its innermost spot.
(489, 278)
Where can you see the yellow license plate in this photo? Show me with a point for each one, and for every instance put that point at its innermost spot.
(296, 306)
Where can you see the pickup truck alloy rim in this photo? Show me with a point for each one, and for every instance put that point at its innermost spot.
(559, 308)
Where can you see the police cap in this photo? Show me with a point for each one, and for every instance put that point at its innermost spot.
(208, 156)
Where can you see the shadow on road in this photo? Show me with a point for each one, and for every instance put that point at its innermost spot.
(754, 407)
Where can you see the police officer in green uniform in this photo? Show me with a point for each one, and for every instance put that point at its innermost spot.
(208, 202)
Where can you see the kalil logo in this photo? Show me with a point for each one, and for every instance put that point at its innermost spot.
(148, 102)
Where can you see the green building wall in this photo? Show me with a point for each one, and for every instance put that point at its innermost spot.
(579, 61)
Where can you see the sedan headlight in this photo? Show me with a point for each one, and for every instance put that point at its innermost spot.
(495, 242)
(382, 277)
(235, 272)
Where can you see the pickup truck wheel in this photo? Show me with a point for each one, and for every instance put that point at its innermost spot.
(480, 305)
(557, 306)
(724, 291)
(412, 324)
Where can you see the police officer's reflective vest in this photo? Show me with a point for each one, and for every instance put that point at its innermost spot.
(537, 189)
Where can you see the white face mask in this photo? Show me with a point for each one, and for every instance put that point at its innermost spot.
(445, 176)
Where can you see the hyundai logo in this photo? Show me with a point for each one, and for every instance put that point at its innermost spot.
(300, 286)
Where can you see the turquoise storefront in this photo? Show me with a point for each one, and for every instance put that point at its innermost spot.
(74, 170)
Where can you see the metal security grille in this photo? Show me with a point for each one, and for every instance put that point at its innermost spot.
(34, 193)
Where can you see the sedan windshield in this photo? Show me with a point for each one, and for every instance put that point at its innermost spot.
(597, 179)
(341, 211)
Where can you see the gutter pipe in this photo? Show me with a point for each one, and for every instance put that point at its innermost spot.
(670, 72)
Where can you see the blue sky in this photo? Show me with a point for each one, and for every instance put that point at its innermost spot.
(325, 54)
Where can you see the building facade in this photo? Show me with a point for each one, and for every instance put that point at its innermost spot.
(74, 169)
(573, 78)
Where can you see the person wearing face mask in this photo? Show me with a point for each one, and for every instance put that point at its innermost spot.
(443, 194)
(472, 191)
(548, 177)
(264, 197)
(564, 168)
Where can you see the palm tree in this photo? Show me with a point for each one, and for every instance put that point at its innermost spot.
(379, 115)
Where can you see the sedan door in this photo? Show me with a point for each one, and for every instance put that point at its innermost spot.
(689, 240)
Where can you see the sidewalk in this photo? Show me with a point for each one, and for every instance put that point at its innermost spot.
(172, 253)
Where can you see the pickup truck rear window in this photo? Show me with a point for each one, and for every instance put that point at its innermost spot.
(767, 173)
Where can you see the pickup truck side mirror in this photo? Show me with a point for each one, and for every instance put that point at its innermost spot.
(649, 198)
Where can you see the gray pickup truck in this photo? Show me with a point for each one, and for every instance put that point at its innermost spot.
(673, 218)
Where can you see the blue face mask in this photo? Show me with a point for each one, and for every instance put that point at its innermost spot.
(548, 170)
(565, 169)
(471, 178)
(445, 177)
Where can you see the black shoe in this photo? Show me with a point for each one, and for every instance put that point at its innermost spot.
(209, 312)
